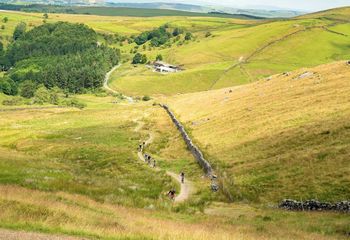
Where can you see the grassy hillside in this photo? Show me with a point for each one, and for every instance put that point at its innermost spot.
(282, 137)
(88, 152)
(75, 172)
(240, 53)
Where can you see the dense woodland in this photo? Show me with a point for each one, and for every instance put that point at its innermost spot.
(63, 55)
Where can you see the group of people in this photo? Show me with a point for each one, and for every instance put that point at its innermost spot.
(148, 159)
(172, 192)
(152, 162)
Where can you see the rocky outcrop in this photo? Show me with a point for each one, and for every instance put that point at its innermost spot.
(314, 205)
(198, 155)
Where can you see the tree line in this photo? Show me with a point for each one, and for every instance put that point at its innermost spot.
(62, 55)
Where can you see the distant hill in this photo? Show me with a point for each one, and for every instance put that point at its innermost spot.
(337, 14)
(264, 13)
(116, 11)
(197, 8)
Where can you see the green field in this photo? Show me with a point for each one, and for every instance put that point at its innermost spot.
(239, 53)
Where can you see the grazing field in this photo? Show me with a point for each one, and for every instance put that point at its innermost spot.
(241, 53)
(283, 137)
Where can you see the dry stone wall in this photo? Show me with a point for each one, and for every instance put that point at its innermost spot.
(196, 152)
(314, 205)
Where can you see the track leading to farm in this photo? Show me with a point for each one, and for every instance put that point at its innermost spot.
(186, 188)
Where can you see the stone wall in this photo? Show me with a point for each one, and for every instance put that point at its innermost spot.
(314, 205)
(191, 146)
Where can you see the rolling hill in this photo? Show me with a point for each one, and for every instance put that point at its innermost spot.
(286, 136)
(242, 52)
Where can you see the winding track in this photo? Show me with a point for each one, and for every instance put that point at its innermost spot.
(186, 188)
(106, 86)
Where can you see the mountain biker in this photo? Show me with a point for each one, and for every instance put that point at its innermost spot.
(171, 194)
(182, 175)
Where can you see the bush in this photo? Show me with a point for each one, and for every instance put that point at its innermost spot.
(139, 59)
(177, 32)
(74, 103)
(208, 34)
(159, 57)
(27, 89)
(14, 101)
(146, 98)
(41, 95)
(54, 95)
(188, 36)
(8, 86)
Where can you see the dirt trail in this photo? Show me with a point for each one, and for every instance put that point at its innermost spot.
(105, 83)
(186, 188)
(19, 235)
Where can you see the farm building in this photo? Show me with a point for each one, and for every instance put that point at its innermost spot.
(163, 67)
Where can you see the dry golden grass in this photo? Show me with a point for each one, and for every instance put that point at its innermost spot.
(77, 215)
(280, 137)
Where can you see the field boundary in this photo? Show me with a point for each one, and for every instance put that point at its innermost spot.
(196, 152)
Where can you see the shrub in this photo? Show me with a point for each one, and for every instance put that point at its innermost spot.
(188, 36)
(27, 89)
(159, 57)
(139, 59)
(177, 32)
(14, 101)
(41, 95)
(146, 98)
(8, 86)
(54, 95)
(74, 103)
(208, 34)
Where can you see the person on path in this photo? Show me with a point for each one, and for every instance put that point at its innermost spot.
(154, 163)
(171, 194)
(182, 175)
(149, 159)
(140, 148)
